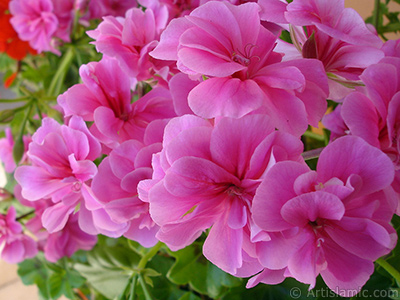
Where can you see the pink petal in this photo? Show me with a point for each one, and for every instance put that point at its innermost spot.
(223, 247)
(360, 116)
(229, 97)
(274, 191)
(234, 141)
(351, 155)
(345, 272)
(198, 178)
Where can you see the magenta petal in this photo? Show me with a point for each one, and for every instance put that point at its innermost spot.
(187, 229)
(288, 112)
(237, 216)
(123, 157)
(168, 47)
(229, 97)
(180, 85)
(345, 272)
(55, 217)
(107, 123)
(393, 121)
(234, 141)
(271, 196)
(304, 208)
(161, 201)
(275, 254)
(223, 247)
(197, 177)
(144, 236)
(361, 237)
(273, 11)
(105, 185)
(268, 277)
(37, 183)
(361, 118)
(305, 263)
(13, 252)
(352, 155)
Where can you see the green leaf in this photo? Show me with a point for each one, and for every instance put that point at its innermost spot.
(192, 268)
(189, 296)
(55, 284)
(33, 271)
(109, 269)
(109, 282)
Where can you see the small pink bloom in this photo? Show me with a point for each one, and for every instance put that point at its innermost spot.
(206, 176)
(334, 221)
(105, 98)
(130, 39)
(335, 35)
(67, 241)
(35, 22)
(62, 168)
(16, 245)
(373, 113)
(102, 8)
(244, 74)
(115, 185)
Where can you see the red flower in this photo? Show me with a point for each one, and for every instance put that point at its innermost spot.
(9, 40)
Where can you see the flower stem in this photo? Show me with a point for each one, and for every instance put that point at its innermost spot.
(376, 14)
(146, 291)
(311, 154)
(149, 255)
(390, 269)
(56, 83)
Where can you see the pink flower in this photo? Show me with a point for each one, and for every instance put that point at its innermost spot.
(130, 39)
(62, 168)
(101, 8)
(35, 22)
(16, 245)
(57, 244)
(105, 98)
(335, 35)
(67, 241)
(334, 221)
(206, 176)
(115, 185)
(228, 44)
(373, 113)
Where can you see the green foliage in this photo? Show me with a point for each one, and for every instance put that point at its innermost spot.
(52, 280)
(202, 276)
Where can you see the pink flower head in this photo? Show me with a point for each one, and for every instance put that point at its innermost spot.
(334, 221)
(35, 22)
(130, 39)
(229, 46)
(62, 168)
(67, 241)
(206, 176)
(105, 98)
(102, 8)
(16, 245)
(115, 185)
(373, 113)
(335, 35)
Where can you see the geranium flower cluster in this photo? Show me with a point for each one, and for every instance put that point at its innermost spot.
(46, 23)
(215, 146)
